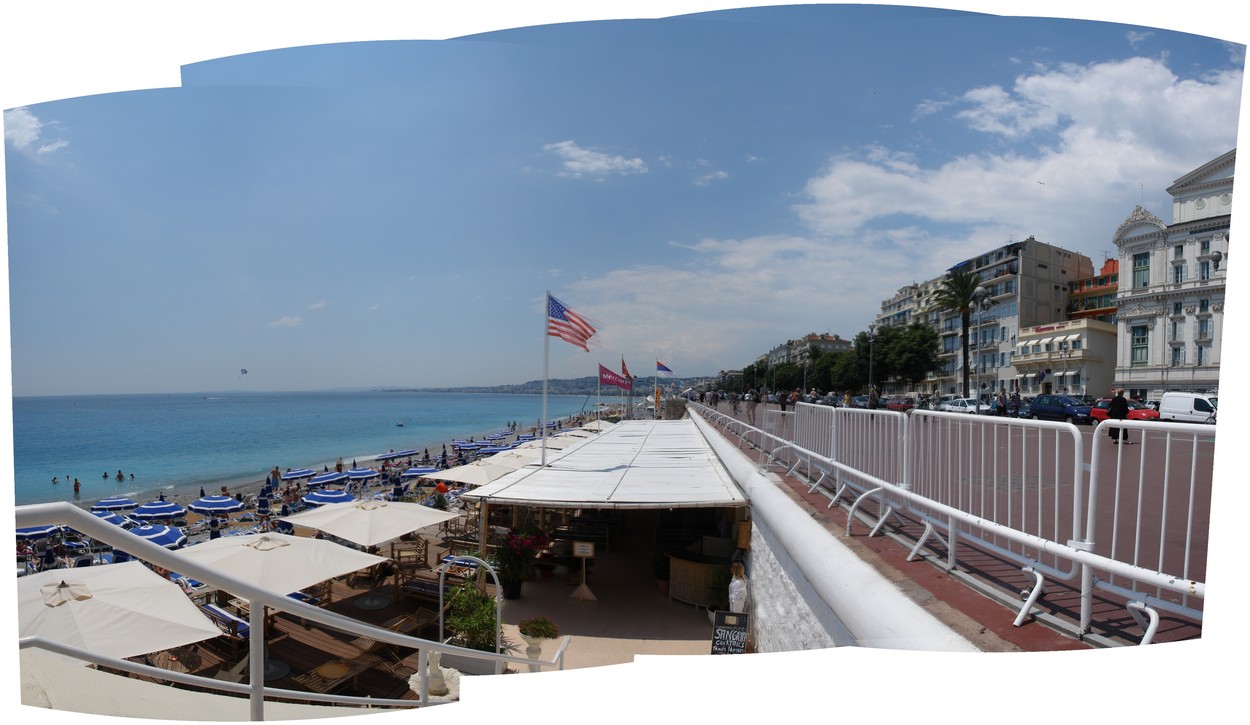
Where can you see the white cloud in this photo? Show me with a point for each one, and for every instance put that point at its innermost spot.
(579, 162)
(287, 321)
(1137, 38)
(24, 131)
(706, 179)
(319, 304)
(1094, 135)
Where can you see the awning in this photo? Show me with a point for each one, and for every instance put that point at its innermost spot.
(639, 464)
(1044, 341)
(1070, 338)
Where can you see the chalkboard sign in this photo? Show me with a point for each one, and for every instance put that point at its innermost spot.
(729, 633)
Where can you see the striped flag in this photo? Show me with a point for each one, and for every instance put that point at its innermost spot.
(661, 370)
(567, 324)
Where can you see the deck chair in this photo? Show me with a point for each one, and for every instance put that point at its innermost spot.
(233, 627)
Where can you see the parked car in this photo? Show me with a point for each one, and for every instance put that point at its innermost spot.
(1059, 407)
(965, 405)
(900, 403)
(1187, 408)
(1136, 411)
(859, 401)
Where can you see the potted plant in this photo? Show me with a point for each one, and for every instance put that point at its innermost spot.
(514, 558)
(659, 568)
(718, 592)
(534, 630)
(472, 617)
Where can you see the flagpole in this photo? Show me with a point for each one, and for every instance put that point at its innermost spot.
(655, 394)
(542, 424)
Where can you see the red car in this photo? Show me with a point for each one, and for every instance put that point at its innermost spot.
(900, 403)
(1136, 411)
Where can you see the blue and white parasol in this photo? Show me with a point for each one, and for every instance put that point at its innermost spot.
(326, 478)
(153, 510)
(114, 504)
(418, 471)
(327, 496)
(166, 536)
(208, 505)
(362, 474)
(29, 533)
(298, 473)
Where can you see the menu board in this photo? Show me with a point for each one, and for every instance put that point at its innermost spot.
(729, 633)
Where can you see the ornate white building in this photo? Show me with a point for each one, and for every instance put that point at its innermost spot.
(1170, 304)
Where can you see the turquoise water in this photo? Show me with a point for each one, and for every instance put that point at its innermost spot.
(177, 443)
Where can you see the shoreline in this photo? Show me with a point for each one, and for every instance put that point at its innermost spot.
(185, 493)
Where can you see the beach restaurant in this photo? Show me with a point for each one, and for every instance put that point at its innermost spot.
(635, 466)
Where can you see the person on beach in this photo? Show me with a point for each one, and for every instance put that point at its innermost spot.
(214, 527)
(77, 485)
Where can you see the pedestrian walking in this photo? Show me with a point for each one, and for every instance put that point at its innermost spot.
(753, 400)
(1118, 410)
(1014, 405)
(1002, 401)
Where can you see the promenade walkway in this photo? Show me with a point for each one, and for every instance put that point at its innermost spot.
(977, 599)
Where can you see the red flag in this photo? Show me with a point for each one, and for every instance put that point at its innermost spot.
(625, 370)
(607, 377)
(567, 324)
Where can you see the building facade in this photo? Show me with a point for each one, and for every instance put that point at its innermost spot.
(1170, 302)
(1027, 284)
(1073, 357)
(1093, 298)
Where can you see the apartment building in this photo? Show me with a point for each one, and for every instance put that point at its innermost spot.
(1170, 303)
(1027, 285)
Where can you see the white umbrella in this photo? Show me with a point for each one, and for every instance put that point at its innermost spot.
(370, 522)
(119, 610)
(486, 470)
(278, 563)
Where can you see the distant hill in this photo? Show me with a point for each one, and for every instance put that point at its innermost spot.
(564, 386)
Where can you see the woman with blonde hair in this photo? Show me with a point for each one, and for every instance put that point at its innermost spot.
(739, 588)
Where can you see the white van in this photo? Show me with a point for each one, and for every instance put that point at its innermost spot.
(1187, 408)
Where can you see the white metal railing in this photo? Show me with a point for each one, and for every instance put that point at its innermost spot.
(64, 513)
(1019, 489)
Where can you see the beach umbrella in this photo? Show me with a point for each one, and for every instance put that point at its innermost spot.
(327, 496)
(370, 522)
(118, 610)
(112, 518)
(278, 563)
(298, 473)
(158, 510)
(114, 504)
(417, 471)
(362, 474)
(161, 535)
(207, 505)
(326, 478)
(30, 533)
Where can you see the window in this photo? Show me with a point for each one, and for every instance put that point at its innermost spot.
(1176, 308)
(1204, 247)
(1141, 270)
(1198, 356)
(1204, 269)
(1204, 328)
(1076, 344)
(1178, 273)
(1204, 306)
(1141, 345)
(1178, 356)
(1178, 252)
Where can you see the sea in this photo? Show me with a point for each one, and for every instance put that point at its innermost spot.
(177, 443)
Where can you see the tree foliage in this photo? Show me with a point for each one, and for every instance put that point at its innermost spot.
(955, 295)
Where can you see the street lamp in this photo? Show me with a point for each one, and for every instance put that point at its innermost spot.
(872, 335)
(981, 302)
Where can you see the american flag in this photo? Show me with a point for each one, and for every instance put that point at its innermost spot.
(567, 324)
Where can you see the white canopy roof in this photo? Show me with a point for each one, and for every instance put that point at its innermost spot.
(636, 464)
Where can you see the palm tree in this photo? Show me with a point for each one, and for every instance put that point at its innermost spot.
(957, 292)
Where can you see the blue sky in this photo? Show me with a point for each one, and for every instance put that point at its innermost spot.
(706, 186)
